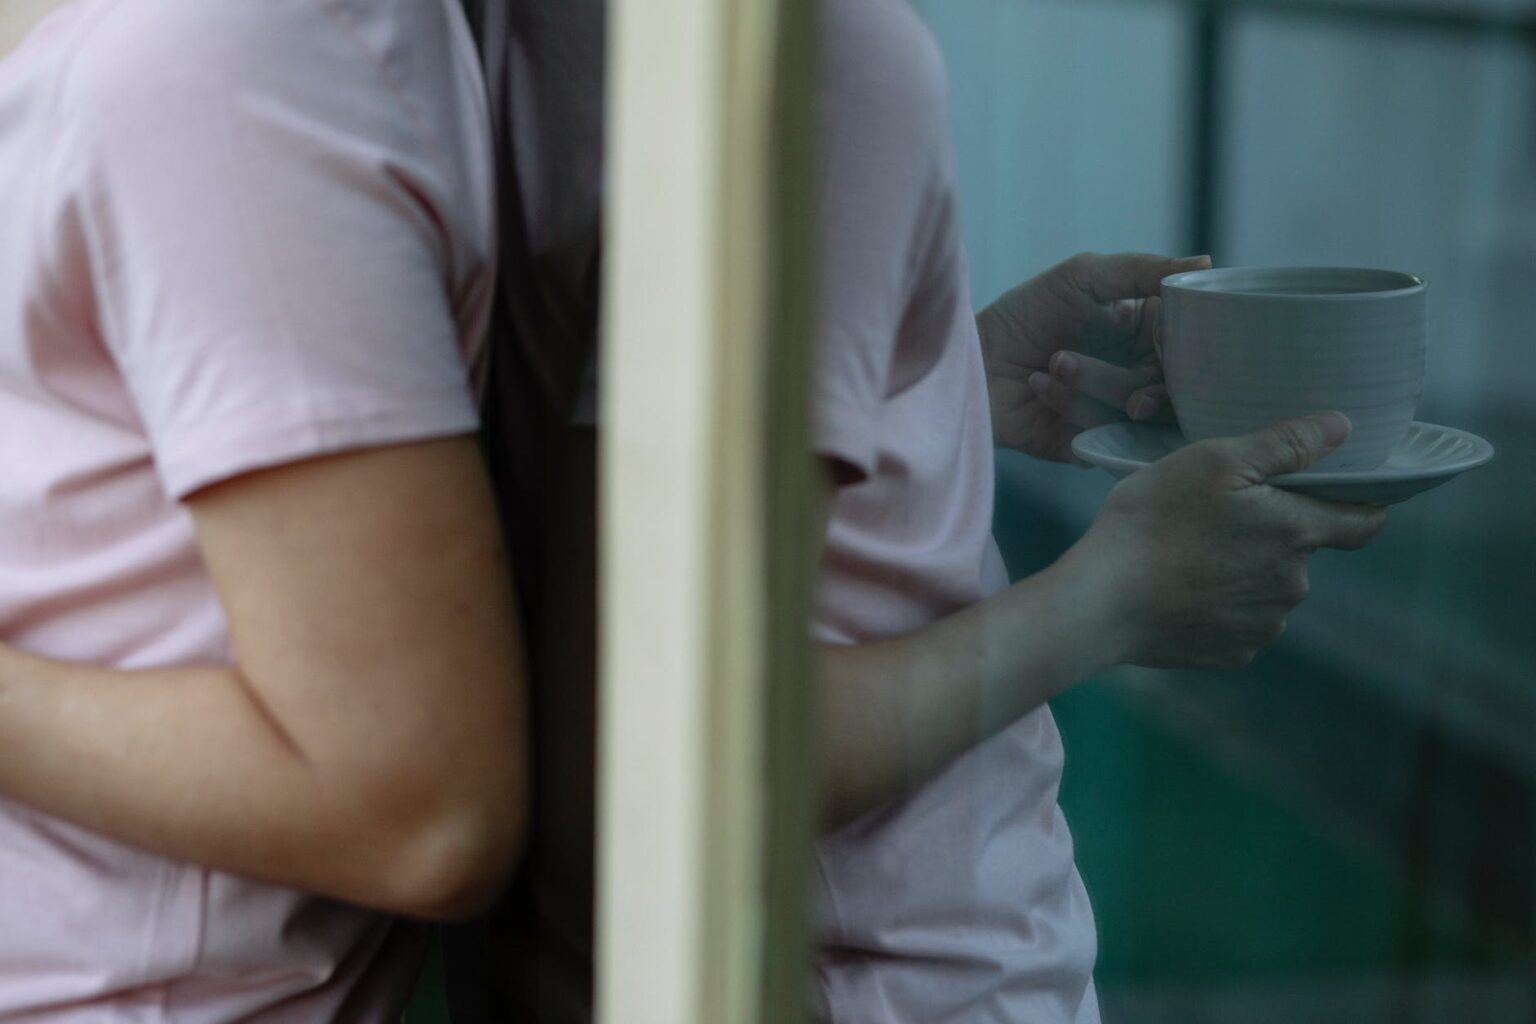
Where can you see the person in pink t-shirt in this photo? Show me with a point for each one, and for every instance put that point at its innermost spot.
(261, 682)
(946, 885)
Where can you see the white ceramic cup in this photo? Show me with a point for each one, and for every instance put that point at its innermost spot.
(1243, 347)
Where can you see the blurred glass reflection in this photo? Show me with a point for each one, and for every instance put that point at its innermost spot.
(1346, 831)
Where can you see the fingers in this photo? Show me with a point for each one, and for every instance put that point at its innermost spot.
(1341, 525)
(1126, 275)
(1090, 392)
(1151, 404)
(1287, 447)
(1127, 326)
(1077, 409)
(1106, 383)
(1149, 327)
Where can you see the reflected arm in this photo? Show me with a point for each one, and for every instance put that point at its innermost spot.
(896, 711)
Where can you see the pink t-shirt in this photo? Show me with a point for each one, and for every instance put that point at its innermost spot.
(960, 903)
(233, 234)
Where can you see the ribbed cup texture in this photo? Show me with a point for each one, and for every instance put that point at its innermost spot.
(1243, 348)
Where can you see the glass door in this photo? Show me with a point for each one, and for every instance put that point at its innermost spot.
(1346, 830)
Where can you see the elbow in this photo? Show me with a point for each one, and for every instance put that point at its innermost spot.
(452, 861)
(460, 867)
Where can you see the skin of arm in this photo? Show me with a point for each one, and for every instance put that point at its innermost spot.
(1193, 562)
(895, 711)
(368, 741)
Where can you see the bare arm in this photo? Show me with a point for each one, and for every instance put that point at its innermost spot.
(1194, 563)
(894, 712)
(367, 743)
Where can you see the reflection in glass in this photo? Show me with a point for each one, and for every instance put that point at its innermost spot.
(1345, 830)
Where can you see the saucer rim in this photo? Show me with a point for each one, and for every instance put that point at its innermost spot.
(1483, 452)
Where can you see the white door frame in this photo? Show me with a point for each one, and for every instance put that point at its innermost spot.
(704, 785)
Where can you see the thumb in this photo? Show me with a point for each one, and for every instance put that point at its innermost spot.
(1291, 445)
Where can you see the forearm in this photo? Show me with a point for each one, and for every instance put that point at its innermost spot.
(897, 711)
(187, 763)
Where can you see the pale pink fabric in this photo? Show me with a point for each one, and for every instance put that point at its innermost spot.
(233, 234)
(960, 903)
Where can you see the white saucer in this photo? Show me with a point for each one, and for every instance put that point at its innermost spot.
(1428, 457)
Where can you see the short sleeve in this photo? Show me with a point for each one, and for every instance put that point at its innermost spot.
(277, 244)
(885, 115)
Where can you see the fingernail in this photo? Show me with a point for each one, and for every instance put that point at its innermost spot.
(1335, 427)
(1193, 261)
(1144, 407)
(1064, 365)
(1039, 383)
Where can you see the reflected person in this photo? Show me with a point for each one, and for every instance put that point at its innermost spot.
(946, 884)
(947, 890)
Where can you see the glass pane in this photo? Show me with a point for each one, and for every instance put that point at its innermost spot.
(1345, 830)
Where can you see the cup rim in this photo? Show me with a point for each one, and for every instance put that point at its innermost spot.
(1204, 282)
